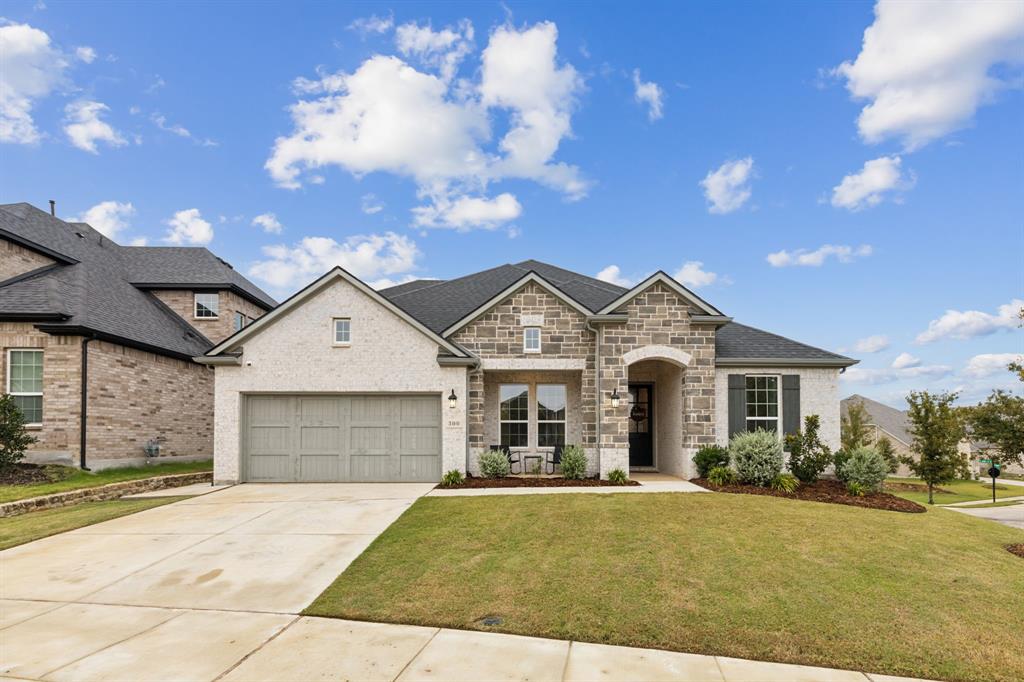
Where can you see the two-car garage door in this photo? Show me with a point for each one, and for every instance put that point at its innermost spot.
(342, 438)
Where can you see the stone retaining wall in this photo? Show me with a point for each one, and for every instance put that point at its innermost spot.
(103, 492)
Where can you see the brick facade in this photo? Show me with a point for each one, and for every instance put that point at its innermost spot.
(16, 260)
(216, 329)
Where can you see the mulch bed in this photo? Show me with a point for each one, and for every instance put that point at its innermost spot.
(1016, 549)
(822, 490)
(27, 474)
(518, 482)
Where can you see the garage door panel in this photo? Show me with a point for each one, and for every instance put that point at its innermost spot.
(420, 440)
(271, 468)
(420, 410)
(320, 439)
(371, 468)
(421, 468)
(320, 468)
(372, 410)
(369, 440)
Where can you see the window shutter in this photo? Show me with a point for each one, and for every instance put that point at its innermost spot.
(790, 403)
(737, 404)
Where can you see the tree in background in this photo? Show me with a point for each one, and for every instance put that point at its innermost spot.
(854, 430)
(13, 436)
(1000, 421)
(936, 429)
(1018, 367)
(884, 447)
(808, 456)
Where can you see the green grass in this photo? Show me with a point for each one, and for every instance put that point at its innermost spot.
(957, 491)
(733, 575)
(67, 478)
(17, 530)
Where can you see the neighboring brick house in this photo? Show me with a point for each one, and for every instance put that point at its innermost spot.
(84, 317)
(344, 383)
(885, 422)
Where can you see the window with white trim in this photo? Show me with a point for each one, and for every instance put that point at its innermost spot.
(531, 339)
(240, 321)
(342, 331)
(25, 383)
(514, 415)
(550, 415)
(207, 306)
(763, 402)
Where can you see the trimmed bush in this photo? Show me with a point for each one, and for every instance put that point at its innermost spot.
(785, 483)
(618, 476)
(756, 456)
(855, 489)
(574, 462)
(494, 464)
(452, 478)
(709, 457)
(865, 467)
(722, 476)
(14, 438)
(808, 456)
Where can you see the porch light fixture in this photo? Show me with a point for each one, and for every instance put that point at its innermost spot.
(452, 400)
(615, 398)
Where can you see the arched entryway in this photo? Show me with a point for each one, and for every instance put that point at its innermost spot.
(655, 376)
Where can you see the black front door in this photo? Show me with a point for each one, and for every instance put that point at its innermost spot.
(641, 425)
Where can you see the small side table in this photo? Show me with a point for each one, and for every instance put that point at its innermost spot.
(527, 469)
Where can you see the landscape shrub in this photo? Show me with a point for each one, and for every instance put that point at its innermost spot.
(786, 483)
(618, 476)
(756, 456)
(452, 478)
(574, 462)
(808, 456)
(865, 467)
(494, 464)
(855, 489)
(722, 476)
(14, 438)
(709, 457)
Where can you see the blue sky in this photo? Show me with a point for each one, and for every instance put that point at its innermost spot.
(856, 191)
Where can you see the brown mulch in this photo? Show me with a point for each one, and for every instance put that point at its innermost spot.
(520, 482)
(27, 474)
(822, 490)
(1017, 549)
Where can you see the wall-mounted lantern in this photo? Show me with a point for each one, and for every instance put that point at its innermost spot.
(615, 397)
(453, 400)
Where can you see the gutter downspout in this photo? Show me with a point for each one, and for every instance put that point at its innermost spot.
(85, 402)
(597, 381)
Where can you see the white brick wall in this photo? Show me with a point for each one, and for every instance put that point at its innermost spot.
(295, 354)
(819, 394)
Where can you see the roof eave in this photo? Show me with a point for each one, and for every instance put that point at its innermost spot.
(218, 360)
(785, 362)
(38, 248)
(77, 330)
(195, 286)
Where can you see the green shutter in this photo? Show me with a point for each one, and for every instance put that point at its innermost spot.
(790, 403)
(737, 404)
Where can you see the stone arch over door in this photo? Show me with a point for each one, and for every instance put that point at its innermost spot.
(679, 358)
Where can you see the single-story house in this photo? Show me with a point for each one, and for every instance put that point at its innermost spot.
(97, 339)
(884, 422)
(345, 383)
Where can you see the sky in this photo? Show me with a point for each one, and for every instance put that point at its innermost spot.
(847, 174)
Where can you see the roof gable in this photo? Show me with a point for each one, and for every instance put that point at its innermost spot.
(662, 278)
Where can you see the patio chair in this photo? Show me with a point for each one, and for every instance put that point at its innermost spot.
(513, 460)
(554, 459)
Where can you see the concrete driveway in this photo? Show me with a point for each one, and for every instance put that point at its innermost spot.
(1012, 516)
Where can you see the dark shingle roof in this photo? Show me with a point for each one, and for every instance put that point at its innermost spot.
(163, 266)
(889, 419)
(735, 341)
(96, 292)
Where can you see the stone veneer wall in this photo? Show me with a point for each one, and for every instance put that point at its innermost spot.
(16, 260)
(215, 329)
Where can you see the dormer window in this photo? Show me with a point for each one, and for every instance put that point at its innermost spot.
(207, 306)
(531, 340)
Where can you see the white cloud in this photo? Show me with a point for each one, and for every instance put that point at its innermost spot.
(109, 217)
(385, 282)
(368, 257)
(32, 69)
(648, 93)
(987, 364)
(85, 54)
(613, 275)
(816, 258)
(466, 213)
(442, 50)
(372, 24)
(188, 227)
(374, 119)
(269, 223)
(859, 375)
(905, 360)
(175, 128)
(872, 344)
(728, 187)
(868, 187)
(370, 204)
(927, 66)
(84, 127)
(138, 241)
(967, 324)
(693, 275)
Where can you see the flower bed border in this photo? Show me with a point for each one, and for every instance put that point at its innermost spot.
(823, 490)
(538, 482)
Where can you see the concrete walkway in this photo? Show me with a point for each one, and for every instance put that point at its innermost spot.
(1012, 516)
(649, 483)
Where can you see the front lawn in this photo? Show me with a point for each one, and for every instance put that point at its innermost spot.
(957, 491)
(17, 530)
(733, 575)
(68, 478)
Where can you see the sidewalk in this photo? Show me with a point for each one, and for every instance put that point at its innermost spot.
(649, 483)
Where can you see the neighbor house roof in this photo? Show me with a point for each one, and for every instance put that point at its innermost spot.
(440, 304)
(91, 289)
(889, 419)
(165, 267)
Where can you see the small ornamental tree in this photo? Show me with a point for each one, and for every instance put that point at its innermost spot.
(854, 430)
(808, 456)
(884, 447)
(13, 436)
(936, 430)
